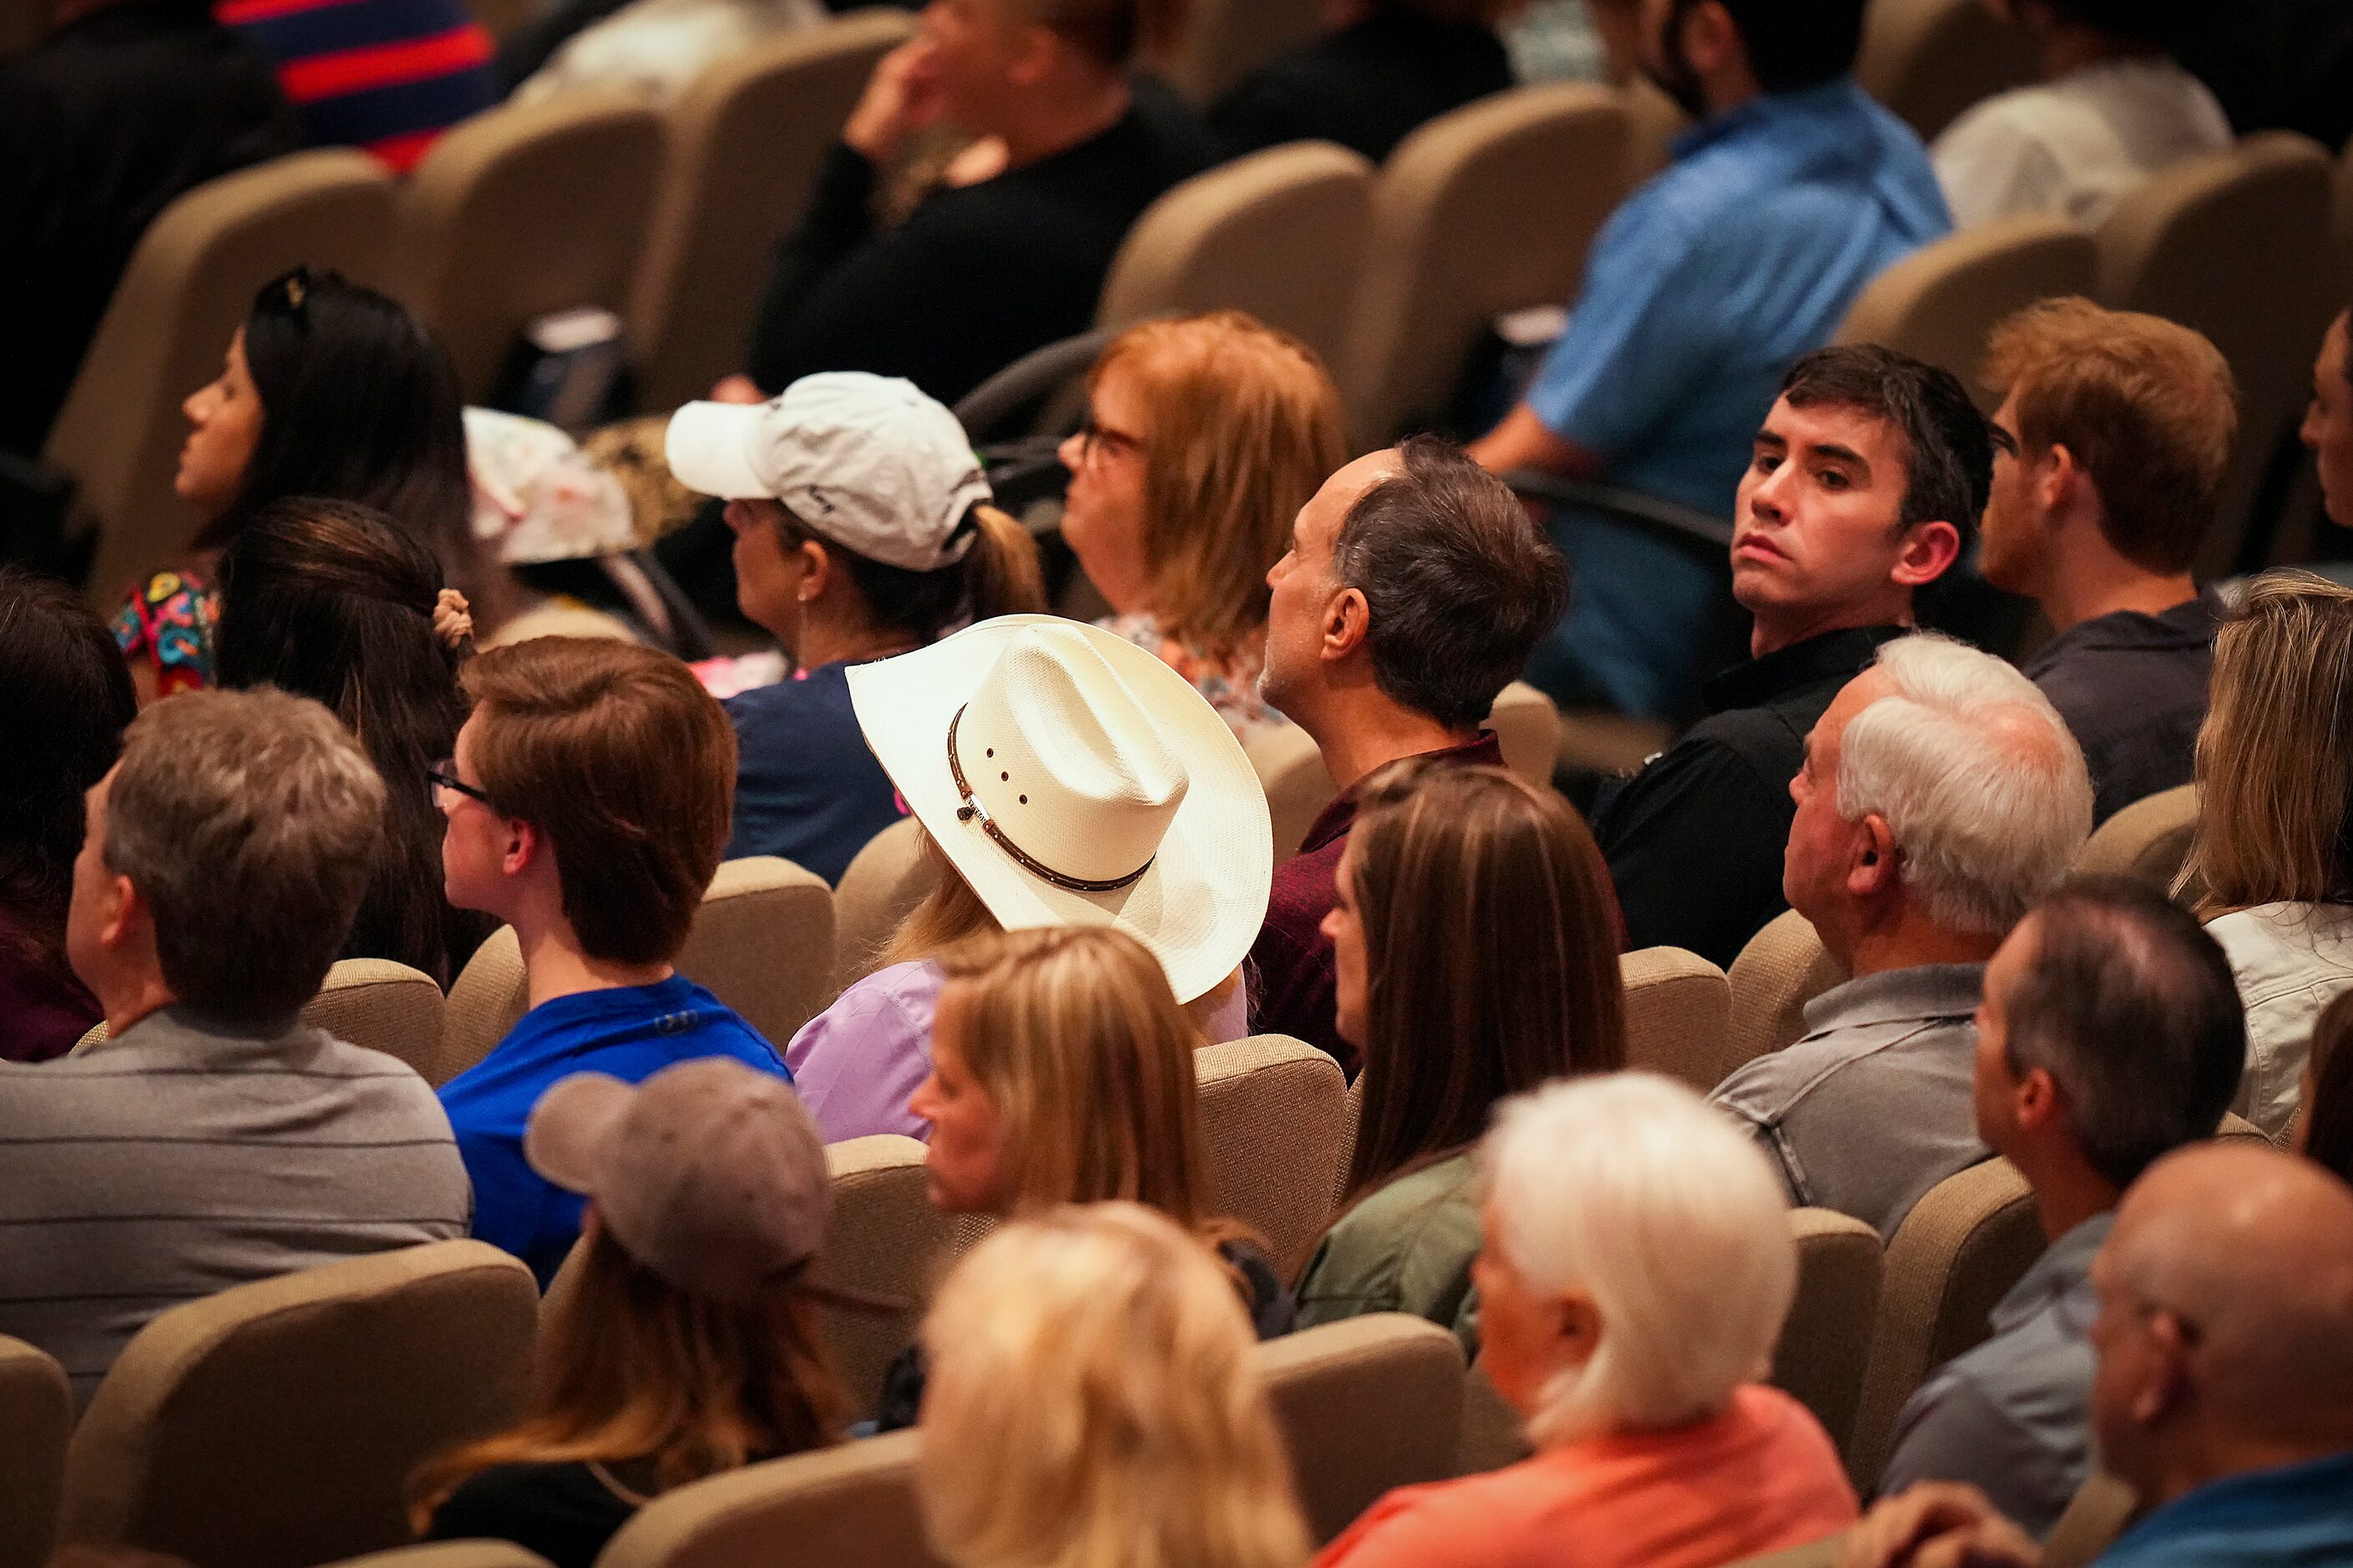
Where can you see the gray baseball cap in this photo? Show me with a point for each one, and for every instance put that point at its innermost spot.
(866, 460)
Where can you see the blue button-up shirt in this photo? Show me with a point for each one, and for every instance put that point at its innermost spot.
(2294, 1513)
(1703, 290)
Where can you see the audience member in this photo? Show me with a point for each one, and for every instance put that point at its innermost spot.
(1063, 1073)
(1637, 1268)
(2328, 423)
(1476, 958)
(2272, 852)
(2224, 1395)
(124, 107)
(2116, 428)
(658, 48)
(1465, 584)
(863, 529)
(69, 702)
(1864, 491)
(2112, 109)
(328, 390)
(2110, 1035)
(1793, 192)
(335, 601)
(587, 804)
(2276, 65)
(1204, 438)
(215, 1139)
(689, 1343)
(983, 272)
(2324, 1124)
(1941, 797)
(1384, 68)
(388, 76)
(1133, 806)
(1096, 1401)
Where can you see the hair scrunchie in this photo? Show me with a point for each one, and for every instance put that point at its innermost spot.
(452, 623)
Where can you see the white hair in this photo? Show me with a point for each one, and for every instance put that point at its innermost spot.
(1632, 1190)
(1981, 786)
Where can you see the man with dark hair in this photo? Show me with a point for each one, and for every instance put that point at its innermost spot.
(1864, 490)
(2110, 1035)
(1794, 191)
(2117, 430)
(1414, 588)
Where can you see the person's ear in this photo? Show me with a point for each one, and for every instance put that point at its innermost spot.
(2056, 478)
(522, 847)
(2167, 1375)
(2035, 1103)
(1347, 622)
(1712, 39)
(1871, 870)
(1576, 1328)
(1928, 552)
(1032, 57)
(121, 912)
(817, 571)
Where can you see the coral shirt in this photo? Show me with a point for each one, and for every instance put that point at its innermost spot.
(1758, 1478)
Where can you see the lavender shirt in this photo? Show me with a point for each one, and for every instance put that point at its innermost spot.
(857, 1062)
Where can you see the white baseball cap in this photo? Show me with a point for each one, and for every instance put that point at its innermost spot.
(866, 460)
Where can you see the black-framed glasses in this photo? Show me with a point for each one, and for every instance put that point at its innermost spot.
(443, 775)
(1094, 437)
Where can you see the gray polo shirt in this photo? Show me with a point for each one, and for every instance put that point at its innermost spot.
(181, 1158)
(2013, 1417)
(1874, 1106)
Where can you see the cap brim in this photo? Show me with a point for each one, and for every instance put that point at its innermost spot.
(706, 446)
(1201, 903)
(566, 1138)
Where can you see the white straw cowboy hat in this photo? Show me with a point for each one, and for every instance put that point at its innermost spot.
(1074, 779)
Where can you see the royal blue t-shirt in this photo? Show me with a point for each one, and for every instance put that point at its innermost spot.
(807, 787)
(630, 1032)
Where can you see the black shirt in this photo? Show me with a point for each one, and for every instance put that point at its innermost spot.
(1368, 86)
(565, 1512)
(2133, 689)
(2285, 65)
(1694, 839)
(101, 127)
(977, 276)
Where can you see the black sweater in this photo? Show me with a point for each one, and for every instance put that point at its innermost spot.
(1365, 86)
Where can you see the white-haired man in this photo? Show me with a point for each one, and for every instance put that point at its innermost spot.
(1941, 797)
(1637, 1268)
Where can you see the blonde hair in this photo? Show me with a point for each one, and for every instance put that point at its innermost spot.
(1242, 425)
(1094, 1398)
(2275, 756)
(950, 913)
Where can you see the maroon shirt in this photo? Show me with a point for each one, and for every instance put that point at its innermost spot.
(1293, 992)
(44, 1010)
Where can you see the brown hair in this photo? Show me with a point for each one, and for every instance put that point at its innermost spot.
(1491, 955)
(1243, 424)
(1000, 575)
(2146, 407)
(2328, 1117)
(1112, 33)
(625, 762)
(631, 1368)
(2275, 755)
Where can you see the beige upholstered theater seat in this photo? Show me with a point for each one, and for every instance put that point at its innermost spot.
(747, 139)
(450, 1555)
(1954, 1256)
(1783, 967)
(1678, 1015)
(273, 1426)
(888, 1240)
(36, 1414)
(371, 1002)
(1824, 1340)
(2233, 245)
(1493, 1433)
(884, 883)
(1527, 727)
(1225, 40)
(1365, 1404)
(1486, 209)
(1942, 302)
(1292, 772)
(1274, 1114)
(761, 942)
(1279, 234)
(2101, 1508)
(523, 210)
(1928, 60)
(186, 291)
(2147, 840)
(849, 1507)
(1821, 1553)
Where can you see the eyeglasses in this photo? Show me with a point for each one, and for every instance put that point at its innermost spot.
(443, 776)
(1095, 437)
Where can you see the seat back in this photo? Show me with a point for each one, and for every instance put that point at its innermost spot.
(1365, 1404)
(1928, 60)
(1821, 1553)
(37, 1412)
(2147, 840)
(1678, 1013)
(1279, 234)
(450, 1554)
(849, 1507)
(274, 1425)
(746, 141)
(2230, 244)
(1298, 786)
(1274, 1116)
(1942, 302)
(1225, 40)
(489, 994)
(1953, 1258)
(1783, 967)
(1527, 727)
(884, 883)
(1820, 1359)
(1485, 209)
(886, 1239)
(2101, 1508)
(526, 209)
(369, 1002)
(189, 284)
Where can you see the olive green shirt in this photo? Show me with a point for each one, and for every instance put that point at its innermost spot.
(1406, 1247)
